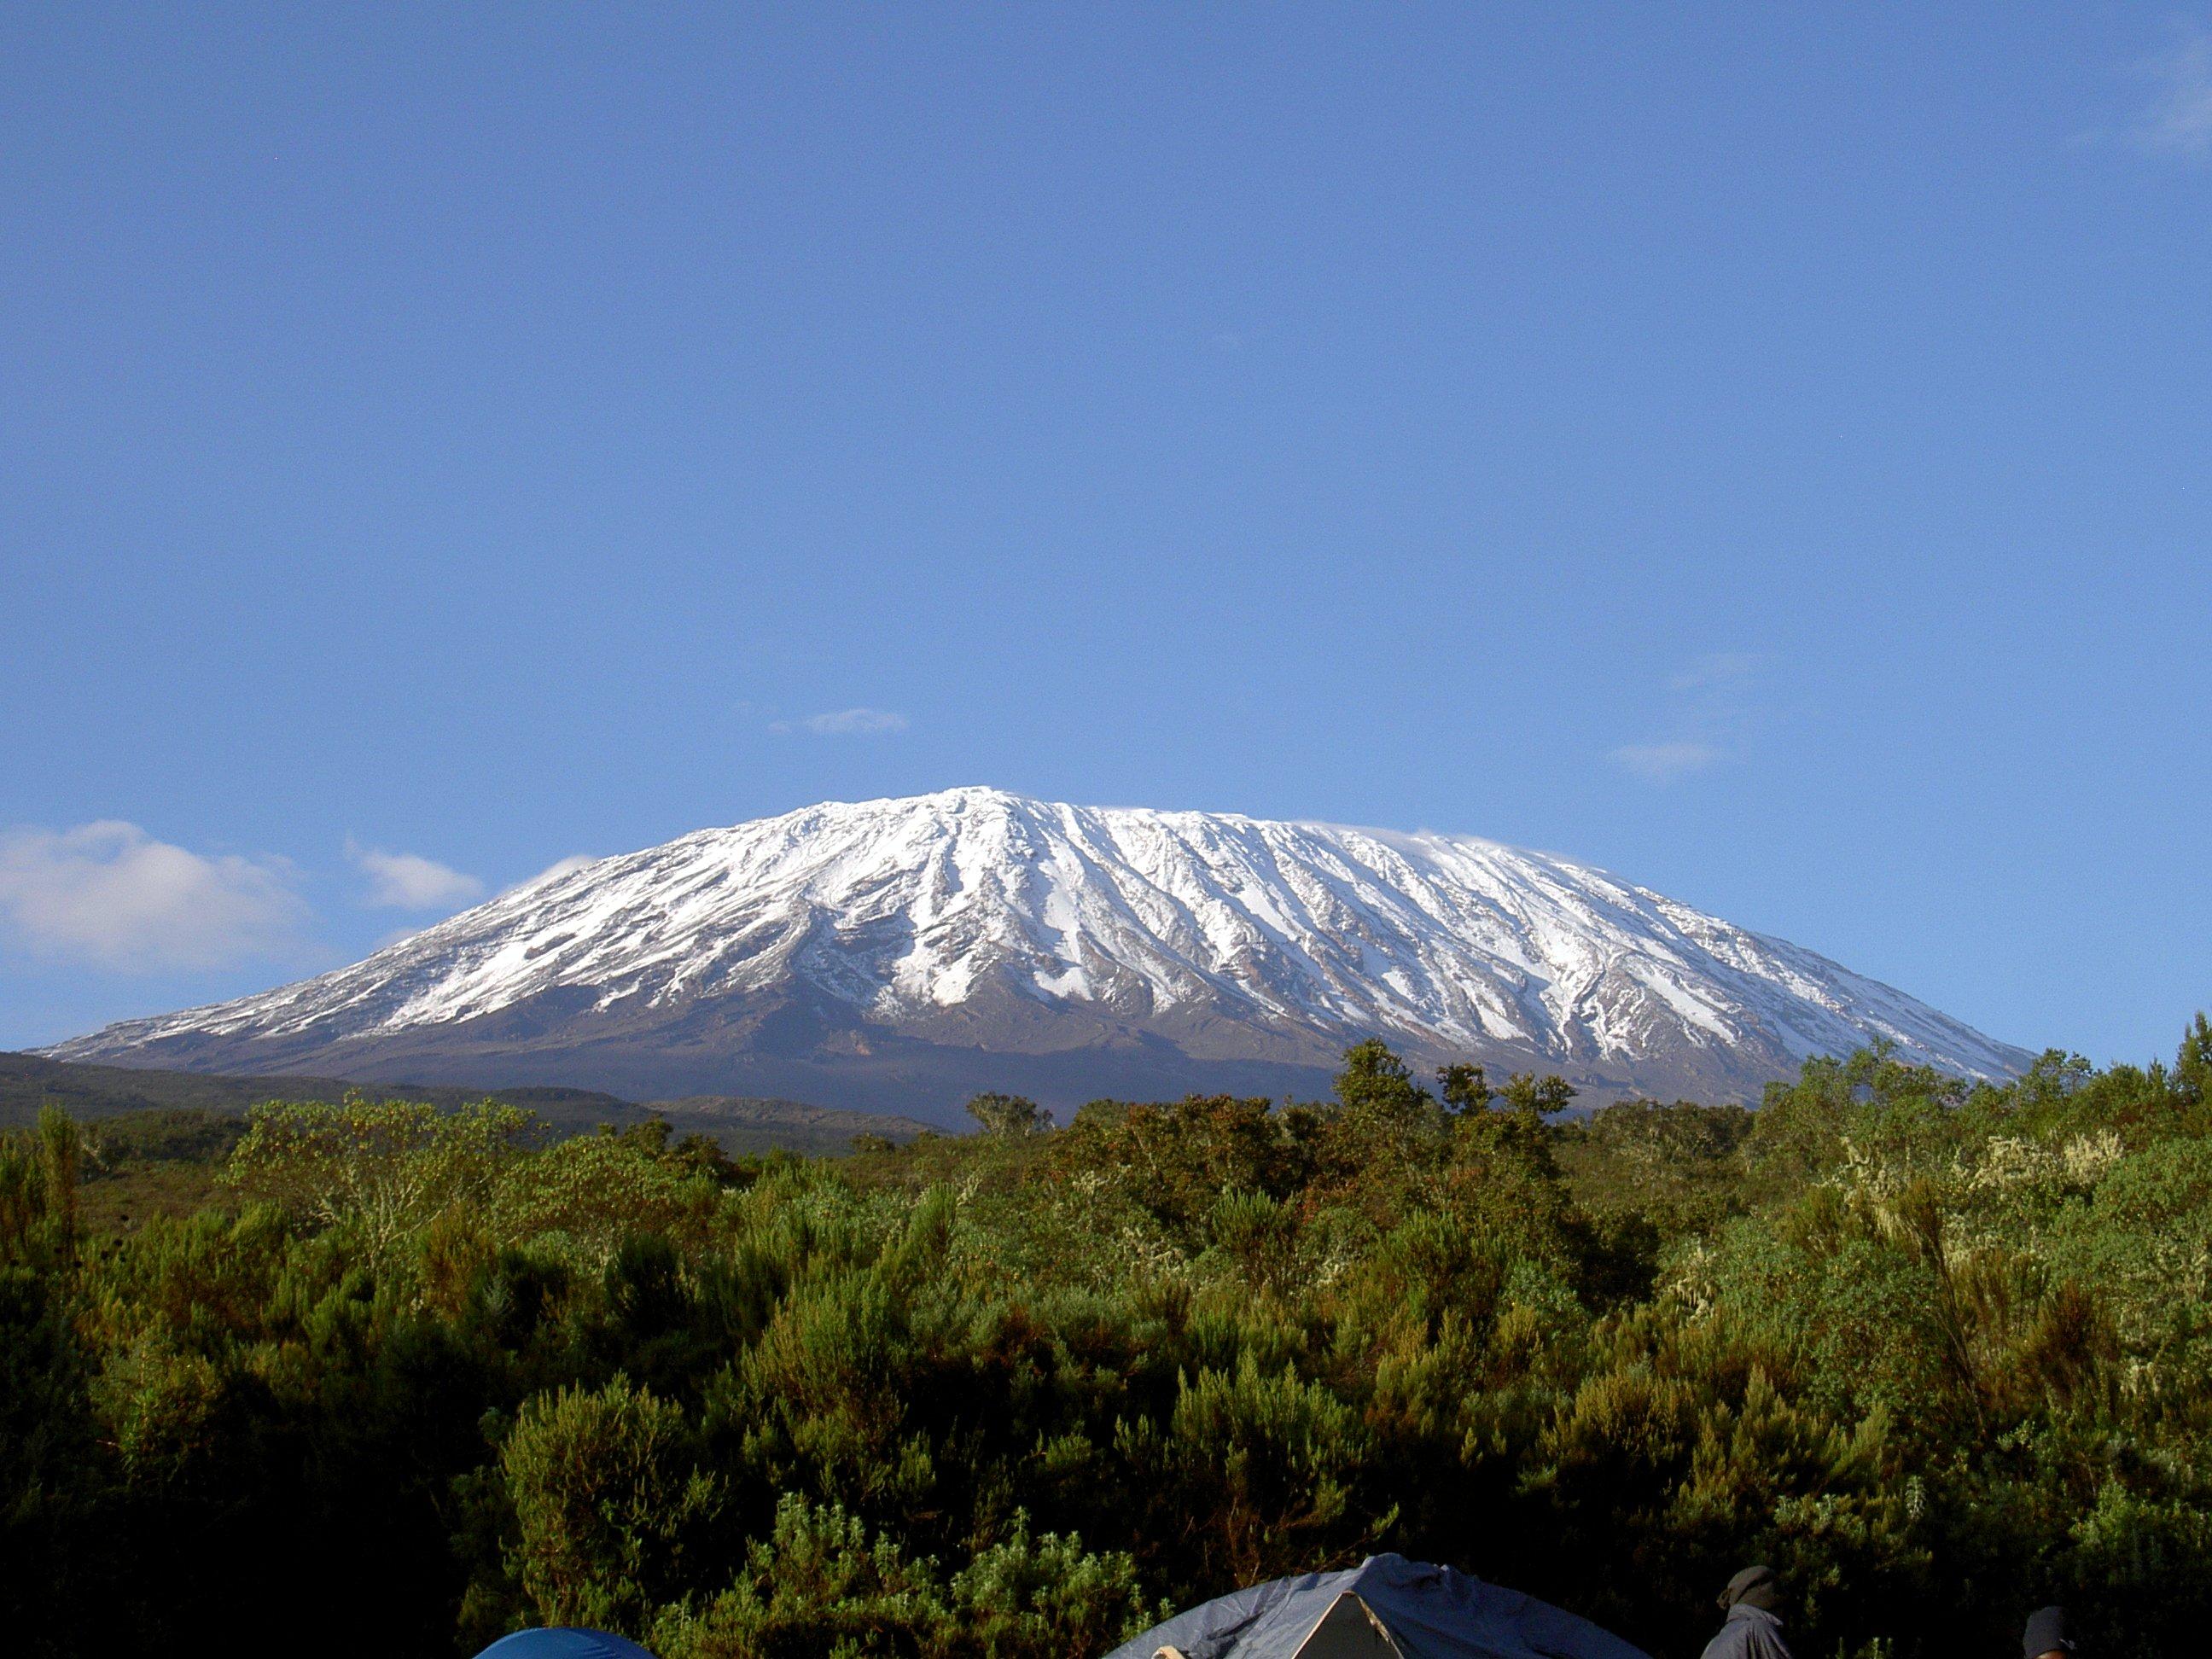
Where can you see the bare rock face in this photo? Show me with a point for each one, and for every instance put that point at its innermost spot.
(901, 954)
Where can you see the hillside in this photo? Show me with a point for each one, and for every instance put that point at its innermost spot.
(92, 1093)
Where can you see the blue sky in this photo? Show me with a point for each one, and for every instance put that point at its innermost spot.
(1761, 450)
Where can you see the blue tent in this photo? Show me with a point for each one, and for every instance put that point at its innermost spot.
(1386, 1608)
(563, 1642)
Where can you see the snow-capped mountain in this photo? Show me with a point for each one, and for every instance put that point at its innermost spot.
(905, 952)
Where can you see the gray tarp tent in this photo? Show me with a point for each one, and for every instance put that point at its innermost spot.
(563, 1642)
(1386, 1608)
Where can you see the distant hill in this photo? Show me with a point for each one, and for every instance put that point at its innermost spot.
(29, 1081)
(743, 1125)
(739, 1124)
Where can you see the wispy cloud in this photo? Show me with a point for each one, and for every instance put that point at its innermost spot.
(560, 867)
(1716, 668)
(555, 871)
(845, 723)
(1710, 703)
(2177, 120)
(1662, 762)
(109, 894)
(407, 881)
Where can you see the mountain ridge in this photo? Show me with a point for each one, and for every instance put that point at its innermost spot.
(91, 1093)
(901, 950)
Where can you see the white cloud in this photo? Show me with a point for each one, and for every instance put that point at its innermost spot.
(405, 881)
(1712, 705)
(846, 722)
(109, 894)
(1662, 762)
(2179, 120)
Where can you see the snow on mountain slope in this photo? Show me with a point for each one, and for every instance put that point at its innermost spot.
(977, 920)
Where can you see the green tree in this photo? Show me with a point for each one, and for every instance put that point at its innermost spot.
(2193, 1066)
(1374, 1081)
(1534, 1098)
(60, 1155)
(385, 1167)
(1464, 1087)
(1008, 1115)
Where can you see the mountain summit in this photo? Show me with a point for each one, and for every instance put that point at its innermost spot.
(906, 952)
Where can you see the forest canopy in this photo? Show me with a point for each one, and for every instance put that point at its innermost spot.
(409, 1378)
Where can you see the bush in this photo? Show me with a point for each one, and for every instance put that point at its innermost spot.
(606, 1497)
(1939, 1351)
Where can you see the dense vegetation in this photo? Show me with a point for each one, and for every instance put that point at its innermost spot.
(412, 1377)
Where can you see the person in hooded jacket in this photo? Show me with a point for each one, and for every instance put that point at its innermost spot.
(1752, 1629)
(2045, 1636)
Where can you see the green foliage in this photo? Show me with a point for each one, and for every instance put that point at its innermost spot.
(585, 1193)
(1941, 1352)
(1531, 1097)
(606, 1494)
(821, 1583)
(1464, 1087)
(1259, 1465)
(1008, 1115)
(39, 1177)
(384, 1167)
(1376, 1081)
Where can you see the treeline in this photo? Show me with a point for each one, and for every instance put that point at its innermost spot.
(1939, 1353)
